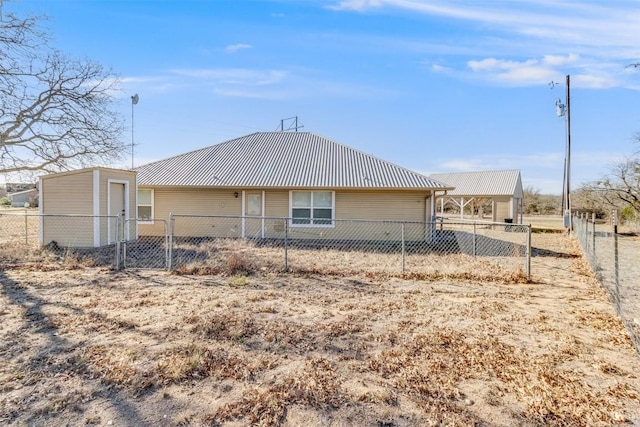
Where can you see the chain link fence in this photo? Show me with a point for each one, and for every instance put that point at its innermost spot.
(614, 260)
(68, 239)
(150, 252)
(233, 244)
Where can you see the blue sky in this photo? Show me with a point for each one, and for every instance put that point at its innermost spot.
(434, 86)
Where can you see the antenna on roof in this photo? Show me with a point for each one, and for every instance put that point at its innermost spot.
(292, 124)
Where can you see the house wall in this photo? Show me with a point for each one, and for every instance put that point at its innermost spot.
(84, 192)
(374, 206)
(193, 201)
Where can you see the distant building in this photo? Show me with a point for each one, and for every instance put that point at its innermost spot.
(19, 198)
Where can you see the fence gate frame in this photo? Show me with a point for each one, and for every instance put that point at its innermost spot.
(127, 245)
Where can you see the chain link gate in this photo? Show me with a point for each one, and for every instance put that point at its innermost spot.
(151, 251)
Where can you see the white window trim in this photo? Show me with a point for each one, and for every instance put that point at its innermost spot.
(153, 203)
(333, 210)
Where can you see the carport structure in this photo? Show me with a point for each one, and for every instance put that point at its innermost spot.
(503, 189)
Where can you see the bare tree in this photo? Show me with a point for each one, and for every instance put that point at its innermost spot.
(55, 112)
(621, 188)
(536, 203)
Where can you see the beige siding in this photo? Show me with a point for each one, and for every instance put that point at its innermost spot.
(68, 232)
(64, 195)
(72, 193)
(68, 194)
(374, 206)
(193, 201)
(396, 206)
(277, 204)
(502, 209)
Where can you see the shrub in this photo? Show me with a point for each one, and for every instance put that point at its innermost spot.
(629, 214)
(5, 201)
(238, 263)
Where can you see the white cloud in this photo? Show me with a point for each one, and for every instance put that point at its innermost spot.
(612, 23)
(563, 37)
(559, 60)
(236, 47)
(531, 71)
(240, 76)
(593, 81)
(492, 64)
(357, 4)
(549, 68)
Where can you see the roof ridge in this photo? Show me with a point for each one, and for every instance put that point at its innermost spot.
(482, 171)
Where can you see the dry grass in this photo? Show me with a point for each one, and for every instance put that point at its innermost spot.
(252, 347)
(247, 260)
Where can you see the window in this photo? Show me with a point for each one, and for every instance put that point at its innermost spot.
(312, 208)
(145, 204)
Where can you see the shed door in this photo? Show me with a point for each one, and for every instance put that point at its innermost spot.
(253, 214)
(117, 207)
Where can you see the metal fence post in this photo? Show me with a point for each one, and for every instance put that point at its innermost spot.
(26, 228)
(616, 271)
(286, 244)
(474, 239)
(593, 248)
(528, 257)
(166, 244)
(121, 235)
(403, 249)
(170, 245)
(118, 243)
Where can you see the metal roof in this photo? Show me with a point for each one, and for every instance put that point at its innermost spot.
(282, 160)
(486, 183)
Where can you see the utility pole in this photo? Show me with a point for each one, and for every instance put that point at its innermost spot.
(564, 110)
(567, 173)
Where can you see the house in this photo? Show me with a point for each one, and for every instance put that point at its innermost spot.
(502, 189)
(312, 180)
(78, 207)
(24, 198)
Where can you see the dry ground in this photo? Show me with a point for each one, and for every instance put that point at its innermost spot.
(90, 346)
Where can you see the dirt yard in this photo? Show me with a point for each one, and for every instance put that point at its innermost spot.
(93, 347)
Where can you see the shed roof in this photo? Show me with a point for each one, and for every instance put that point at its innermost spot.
(19, 193)
(282, 160)
(84, 170)
(485, 183)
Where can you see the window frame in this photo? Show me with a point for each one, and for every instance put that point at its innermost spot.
(311, 207)
(138, 205)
